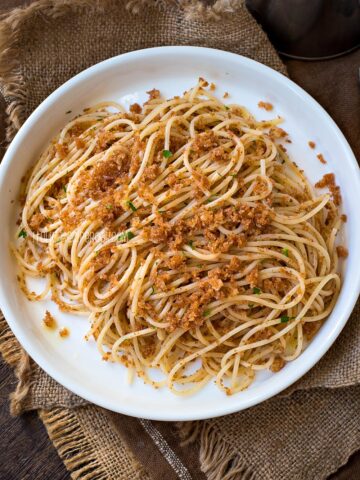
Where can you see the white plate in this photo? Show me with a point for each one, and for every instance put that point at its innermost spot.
(75, 363)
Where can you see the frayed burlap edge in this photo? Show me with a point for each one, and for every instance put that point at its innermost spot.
(15, 356)
(81, 457)
(14, 89)
(76, 452)
(218, 460)
(63, 425)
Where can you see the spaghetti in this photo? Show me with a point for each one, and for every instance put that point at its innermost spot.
(186, 234)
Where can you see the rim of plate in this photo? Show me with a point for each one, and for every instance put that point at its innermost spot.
(259, 394)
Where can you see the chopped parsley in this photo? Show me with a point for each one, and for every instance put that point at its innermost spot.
(161, 211)
(206, 313)
(284, 318)
(251, 305)
(256, 290)
(152, 291)
(226, 107)
(109, 206)
(211, 199)
(125, 236)
(132, 206)
(285, 251)
(22, 234)
(191, 243)
(65, 188)
(167, 153)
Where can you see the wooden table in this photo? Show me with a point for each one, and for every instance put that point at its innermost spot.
(26, 452)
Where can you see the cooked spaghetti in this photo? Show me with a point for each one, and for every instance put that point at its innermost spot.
(186, 234)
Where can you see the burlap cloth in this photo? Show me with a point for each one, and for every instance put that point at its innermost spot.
(309, 431)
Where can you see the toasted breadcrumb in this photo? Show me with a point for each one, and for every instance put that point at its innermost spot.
(154, 93)
(49, 321)
(321, 158)
(342, 252)
(266, 105)
(203, 82)
(64, 332)
(328, 180)
(277, 364)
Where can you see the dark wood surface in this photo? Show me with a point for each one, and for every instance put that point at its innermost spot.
(26, 452)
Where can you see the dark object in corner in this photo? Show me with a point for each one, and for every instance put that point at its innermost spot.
(309, 29)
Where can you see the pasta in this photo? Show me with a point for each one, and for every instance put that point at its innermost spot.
(186, 234)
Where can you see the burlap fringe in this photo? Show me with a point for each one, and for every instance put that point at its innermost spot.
(10, 76)
(193, 9)
(74, 449)
(218, 460)
(15, 356)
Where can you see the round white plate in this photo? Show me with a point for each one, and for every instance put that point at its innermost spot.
(75, 363)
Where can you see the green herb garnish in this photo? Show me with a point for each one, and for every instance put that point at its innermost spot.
(191, 243)
(167, 153)
(132, 206)
(256, 290)
(285, 251)
(65, 188)
(109, 206)
(226, 107)
(206, 313)
(22, 234)
(251, 305)
(161, 211)
(125, 236)
(284, 318)
(152, 291)
(211, 199)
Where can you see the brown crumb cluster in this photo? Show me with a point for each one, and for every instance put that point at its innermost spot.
(277, 364)
(204, 142)
(153, 94)
(266, 106)
(311, 328)
(64, 332)
(61, 149)
(328, 181)
(276, 133)
(311, 144)
(135, 108)
(342, 252)
(254, 220)
(215, 285)
(49, 321)
(321, 158)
